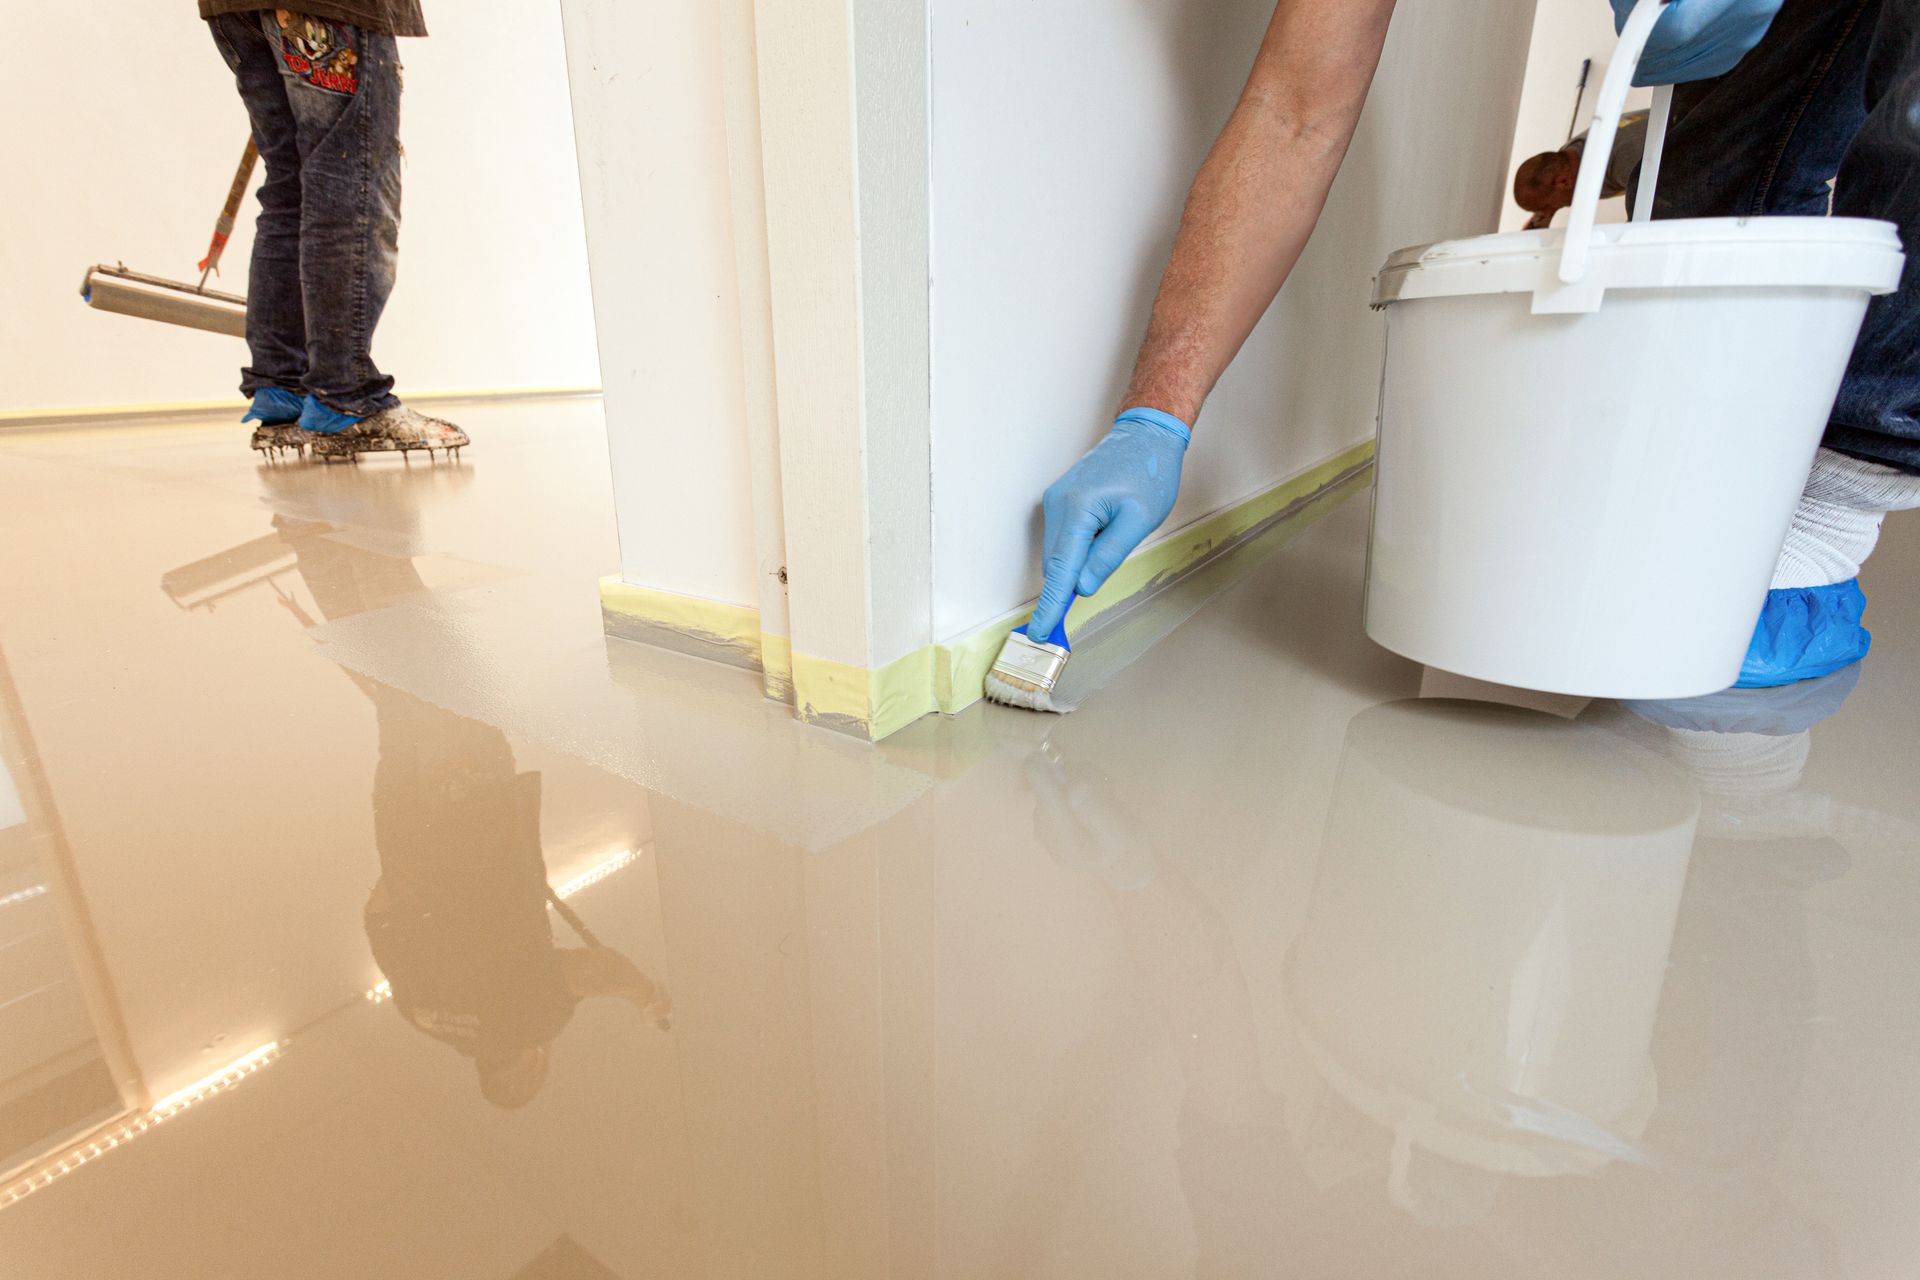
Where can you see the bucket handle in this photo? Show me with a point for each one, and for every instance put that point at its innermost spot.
(1601, 135)
(1650, 158)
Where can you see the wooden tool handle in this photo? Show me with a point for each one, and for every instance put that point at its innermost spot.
(223, 229)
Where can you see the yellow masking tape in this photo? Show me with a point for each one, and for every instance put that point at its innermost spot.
(776, 661)
(903, 691)
(875, 702)
(949, 676)
(1195, 542)
(966, 661)
(733, 625)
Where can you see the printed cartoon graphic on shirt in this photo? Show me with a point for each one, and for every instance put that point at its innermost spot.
(320, 51)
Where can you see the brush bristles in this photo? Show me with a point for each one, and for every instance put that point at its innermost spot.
(1026, 673)
(1014, 692)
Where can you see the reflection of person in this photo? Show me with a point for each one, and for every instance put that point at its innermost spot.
(1821, 115)
(322, 88)
(1747, 750)
(1536, 897)
(1736, 1034)
(1286, 1175)
(1830, 90)
(1543, 184)
(458, 920)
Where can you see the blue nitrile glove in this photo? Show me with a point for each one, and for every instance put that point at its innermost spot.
(1105, 506)
(1698, 39)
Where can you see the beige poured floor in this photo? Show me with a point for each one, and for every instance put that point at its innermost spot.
(1261, 965)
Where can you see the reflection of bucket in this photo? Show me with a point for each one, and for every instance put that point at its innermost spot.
(1484, 952)
(1592, 440)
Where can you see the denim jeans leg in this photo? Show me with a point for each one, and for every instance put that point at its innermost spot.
(276, 315)
(349, 132)
(1877, 416)
(1831, 94)
(1767, 137)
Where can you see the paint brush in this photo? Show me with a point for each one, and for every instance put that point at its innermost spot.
(1027, 670)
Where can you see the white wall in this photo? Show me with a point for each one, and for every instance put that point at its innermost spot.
(843, 92)
(649, 104)
(1564, 32)
(133, 133)
(1064, 138)
(1060, 142)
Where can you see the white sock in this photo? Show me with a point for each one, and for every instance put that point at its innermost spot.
(1742, 765)
(1839, 519)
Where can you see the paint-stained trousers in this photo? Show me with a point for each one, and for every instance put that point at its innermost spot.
(1832, 94)
(324, 100)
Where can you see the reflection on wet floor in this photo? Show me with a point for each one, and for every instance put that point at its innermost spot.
(346, 869)
(458, 920)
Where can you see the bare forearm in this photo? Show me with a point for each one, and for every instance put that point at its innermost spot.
(1258, 195)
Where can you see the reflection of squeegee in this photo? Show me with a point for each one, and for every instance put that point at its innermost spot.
(169, 301)
(200, 584)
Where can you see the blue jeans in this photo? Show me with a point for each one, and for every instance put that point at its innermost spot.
(1831, 93)
(324, 100)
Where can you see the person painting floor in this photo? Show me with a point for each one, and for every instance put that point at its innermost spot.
(1777, 97)
(1543, 184)
(322, 89)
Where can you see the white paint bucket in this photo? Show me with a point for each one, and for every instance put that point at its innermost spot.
(1592, 440)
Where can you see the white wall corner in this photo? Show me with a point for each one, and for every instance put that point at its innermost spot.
(843, 130)
(657, 192)
(891, 79)
(747, 184)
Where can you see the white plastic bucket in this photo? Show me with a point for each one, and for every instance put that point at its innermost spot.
(1592, 440)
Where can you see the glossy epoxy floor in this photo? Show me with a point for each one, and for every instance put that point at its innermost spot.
(1261, 965)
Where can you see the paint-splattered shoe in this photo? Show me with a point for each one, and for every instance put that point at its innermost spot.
(395, 430)
(279, 438)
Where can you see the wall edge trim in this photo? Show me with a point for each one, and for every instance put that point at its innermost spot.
(947, 676)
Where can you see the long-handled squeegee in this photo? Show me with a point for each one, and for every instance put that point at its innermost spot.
(197, 307)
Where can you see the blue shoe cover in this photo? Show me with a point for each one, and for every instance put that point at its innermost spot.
(1806, 632)
(1775, 712)
(322, 421)
(275, 406)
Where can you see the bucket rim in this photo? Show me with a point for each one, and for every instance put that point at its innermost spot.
(1759, 252)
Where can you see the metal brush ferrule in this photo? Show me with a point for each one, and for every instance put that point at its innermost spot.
(1029, 660)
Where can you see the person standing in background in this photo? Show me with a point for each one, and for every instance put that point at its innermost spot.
(1543, 184)
(322, 90)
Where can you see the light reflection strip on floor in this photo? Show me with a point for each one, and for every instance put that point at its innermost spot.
(118, 1134)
